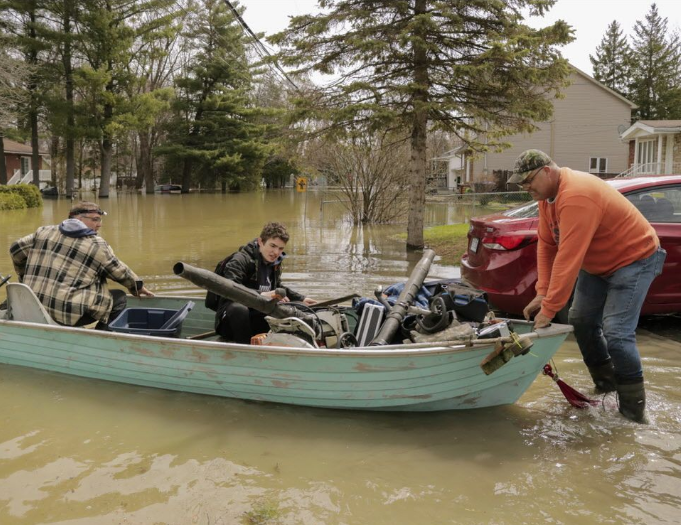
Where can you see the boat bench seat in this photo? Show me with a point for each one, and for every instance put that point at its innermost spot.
(23, 305)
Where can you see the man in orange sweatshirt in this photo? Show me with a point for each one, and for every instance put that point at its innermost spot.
(589, 233)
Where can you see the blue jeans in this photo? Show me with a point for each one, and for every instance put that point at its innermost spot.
(605, 312)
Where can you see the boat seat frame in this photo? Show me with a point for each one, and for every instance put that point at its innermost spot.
(23, 305)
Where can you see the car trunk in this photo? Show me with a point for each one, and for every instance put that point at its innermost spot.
(491, 235)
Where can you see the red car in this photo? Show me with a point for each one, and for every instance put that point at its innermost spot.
(502, 248)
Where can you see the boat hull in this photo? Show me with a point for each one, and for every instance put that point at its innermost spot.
(389, 378)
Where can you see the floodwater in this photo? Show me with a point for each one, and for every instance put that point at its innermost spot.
(82, 452)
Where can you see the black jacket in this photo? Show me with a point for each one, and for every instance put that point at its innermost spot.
(243, 266)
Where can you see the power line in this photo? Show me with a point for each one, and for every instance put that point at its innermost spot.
(259, 46)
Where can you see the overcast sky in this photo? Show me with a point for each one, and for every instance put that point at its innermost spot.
(589, 18)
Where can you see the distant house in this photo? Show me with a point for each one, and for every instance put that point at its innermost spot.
(583, 134)
(18, 163)
(450, 168)
(654, 147)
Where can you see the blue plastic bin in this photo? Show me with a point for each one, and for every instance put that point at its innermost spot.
(158, 322)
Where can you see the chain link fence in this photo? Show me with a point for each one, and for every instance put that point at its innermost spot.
(453, 208)
(510, 198)
(442, 207)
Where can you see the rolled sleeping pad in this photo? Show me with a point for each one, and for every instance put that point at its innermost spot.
(236, 292)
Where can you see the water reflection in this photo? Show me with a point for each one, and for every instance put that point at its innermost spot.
(75, 451)
(78, 451)
(327, 255)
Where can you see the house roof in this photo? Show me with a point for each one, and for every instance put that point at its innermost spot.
(18, 148)
(662, 124)
(451, 153)
(646, 128)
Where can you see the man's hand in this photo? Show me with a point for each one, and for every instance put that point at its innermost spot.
(144, 291)
(309, 301)
(274, 296)
(535, 304)
(541, 321)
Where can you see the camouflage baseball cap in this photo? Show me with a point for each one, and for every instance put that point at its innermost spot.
(526, 163)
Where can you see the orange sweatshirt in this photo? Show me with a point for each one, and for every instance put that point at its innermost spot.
(590, 226)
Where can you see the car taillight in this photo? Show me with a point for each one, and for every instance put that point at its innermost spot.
(507, 242)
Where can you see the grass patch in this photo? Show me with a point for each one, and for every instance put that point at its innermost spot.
(450, 242)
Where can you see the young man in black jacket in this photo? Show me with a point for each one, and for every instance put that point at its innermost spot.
(257, 265)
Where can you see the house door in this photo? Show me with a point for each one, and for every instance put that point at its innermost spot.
(647, 155)
(25, 165)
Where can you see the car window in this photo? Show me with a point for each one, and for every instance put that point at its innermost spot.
(526, 211)
(658, 204)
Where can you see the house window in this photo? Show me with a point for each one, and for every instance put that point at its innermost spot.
(25, 165)
(598, 165)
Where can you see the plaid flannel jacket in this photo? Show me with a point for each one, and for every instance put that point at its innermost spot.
(68, 275)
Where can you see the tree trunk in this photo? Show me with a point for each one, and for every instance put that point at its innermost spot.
(139, 156)
(145, 173)
(3, 166)
(33, 111)
(186, 175)
(105, 182)
(54, 154)
(81, 147)
(419, 134)
(106, 150)
(35, 146)
(70, 118)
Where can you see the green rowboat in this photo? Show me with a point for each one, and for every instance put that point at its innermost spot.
(413, 377)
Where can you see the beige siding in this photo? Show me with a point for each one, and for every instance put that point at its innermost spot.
(585, 124)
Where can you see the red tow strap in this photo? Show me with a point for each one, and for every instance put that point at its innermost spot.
(574, 397)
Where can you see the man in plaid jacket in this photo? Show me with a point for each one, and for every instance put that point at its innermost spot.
(67, 266)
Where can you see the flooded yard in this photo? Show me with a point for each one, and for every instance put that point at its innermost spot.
(75, 451)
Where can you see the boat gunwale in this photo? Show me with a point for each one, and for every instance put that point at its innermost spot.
(414, 349)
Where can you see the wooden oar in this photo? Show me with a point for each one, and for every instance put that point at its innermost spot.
(329, 302)
(202, 336)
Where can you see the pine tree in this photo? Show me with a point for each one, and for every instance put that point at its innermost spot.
(108, 29)
(13, 74)
(59, 98)
(471, 68)
(215, 134)
(656, 80)
(612, 64)
(25, 25)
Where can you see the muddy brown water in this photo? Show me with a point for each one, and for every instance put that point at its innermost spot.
(78, 451)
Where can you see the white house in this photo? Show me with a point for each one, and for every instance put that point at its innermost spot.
(654, 147)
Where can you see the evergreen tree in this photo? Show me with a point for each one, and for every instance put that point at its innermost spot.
(23, 20)
(60, 98)
(656, 80)
(612, 64)
(12, 97)
(215, 134)
(471, 68)
(156, 56)
(272, 96)
(108, 29)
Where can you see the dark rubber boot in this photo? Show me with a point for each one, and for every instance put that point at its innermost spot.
(632, 401)
(604, 377)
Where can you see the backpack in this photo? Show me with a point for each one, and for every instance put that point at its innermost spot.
(212, 299)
